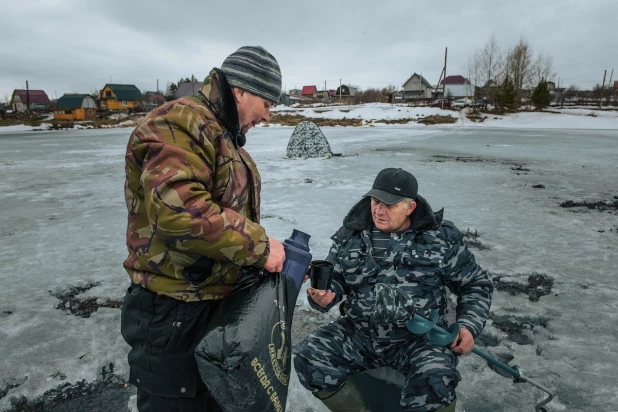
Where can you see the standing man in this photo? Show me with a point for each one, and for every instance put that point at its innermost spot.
(193, 196)
(393, 237)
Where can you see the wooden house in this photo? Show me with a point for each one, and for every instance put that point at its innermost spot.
(309, 91)
(457, 87)
(75, 107)
(154, 99)
(186, 89)
(37, 99)
(415, 88)
(345, 91)
(121, 97)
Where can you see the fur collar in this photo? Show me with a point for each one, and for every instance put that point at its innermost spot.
(359, 218)
(218, 95)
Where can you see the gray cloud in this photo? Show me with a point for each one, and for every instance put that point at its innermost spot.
(68, 45)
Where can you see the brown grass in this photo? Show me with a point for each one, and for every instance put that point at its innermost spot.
(476, 116)
(294, 119)
(438, 119)
(64, 124)
(32, 121)
(393, 121)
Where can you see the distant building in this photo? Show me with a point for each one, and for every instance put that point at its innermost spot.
(186, 89)
(615, 84)
(121, 97)
(75, 107)
(309, 91)
(290, 99)
(295, 92)
(2, 111)
(322, 95)
(154, 99)
(415, 88)
(551, 86)
(457, 87)
(345, 91)
(37, 99)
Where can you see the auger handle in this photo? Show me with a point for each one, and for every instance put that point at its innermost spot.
(513, 371)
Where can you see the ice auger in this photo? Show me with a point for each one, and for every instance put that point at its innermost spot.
(420, 325)
(393, 305)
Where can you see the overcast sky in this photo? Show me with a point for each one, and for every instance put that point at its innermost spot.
(80, 45)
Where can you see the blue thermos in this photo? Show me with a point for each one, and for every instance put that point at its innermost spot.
(297, 257)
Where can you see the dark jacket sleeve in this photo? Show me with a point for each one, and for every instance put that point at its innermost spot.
(338, 284)
(466, 279)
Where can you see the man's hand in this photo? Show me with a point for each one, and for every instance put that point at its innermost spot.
(276, 257)
(321, 297)
(463, 343)
(308, 274)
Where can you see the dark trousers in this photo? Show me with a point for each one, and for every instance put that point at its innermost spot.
(325, 360)
(163, 333)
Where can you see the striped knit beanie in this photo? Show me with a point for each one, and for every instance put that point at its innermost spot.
(253, 69)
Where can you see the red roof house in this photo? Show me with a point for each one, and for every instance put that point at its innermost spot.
(309, 91)
(36, 99)
(454, 80)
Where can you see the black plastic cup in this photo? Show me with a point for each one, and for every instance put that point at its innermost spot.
(321, 274)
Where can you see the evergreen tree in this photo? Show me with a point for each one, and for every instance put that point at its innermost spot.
(507, 95)
(541, 97)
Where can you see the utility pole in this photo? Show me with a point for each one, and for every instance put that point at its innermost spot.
(602, 87)
(157, 86)
(27, 99)
(339, 89)
(444, 88)
(609, 85)
(110, 80)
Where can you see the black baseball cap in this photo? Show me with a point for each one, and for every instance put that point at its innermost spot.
(393, 185)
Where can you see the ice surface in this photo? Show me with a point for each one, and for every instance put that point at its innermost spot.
(63, 223)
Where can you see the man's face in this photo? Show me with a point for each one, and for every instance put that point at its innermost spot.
(391, 218)
(252, 109)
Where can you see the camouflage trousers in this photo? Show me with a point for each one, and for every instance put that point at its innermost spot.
(325, 359)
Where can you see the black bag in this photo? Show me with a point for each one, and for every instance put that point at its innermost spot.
(244, 358)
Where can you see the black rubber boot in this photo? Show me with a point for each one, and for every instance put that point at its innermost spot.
(450, 408)
(347, 399)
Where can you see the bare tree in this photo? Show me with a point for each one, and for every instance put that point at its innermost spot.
(392, 87)
(474, 73)
(519, 64)
(542, 69)
(491, 61)
(570, 93)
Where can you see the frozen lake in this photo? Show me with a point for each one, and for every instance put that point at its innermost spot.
(63, 221)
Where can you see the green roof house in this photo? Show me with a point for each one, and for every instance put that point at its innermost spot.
(73, 106)
(121, 97)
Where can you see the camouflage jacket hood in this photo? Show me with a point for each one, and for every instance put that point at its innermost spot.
(359, 218)
(193, 197)
(423, 261)
(217, 95)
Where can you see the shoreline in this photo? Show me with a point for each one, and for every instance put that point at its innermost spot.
(387, 115)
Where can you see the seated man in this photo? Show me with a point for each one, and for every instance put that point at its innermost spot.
(393, 237)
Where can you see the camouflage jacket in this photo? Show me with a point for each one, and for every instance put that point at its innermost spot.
(193, 196)
(423, 261)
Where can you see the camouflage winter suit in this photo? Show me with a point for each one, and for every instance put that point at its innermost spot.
(423, 261)
(193, 196)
